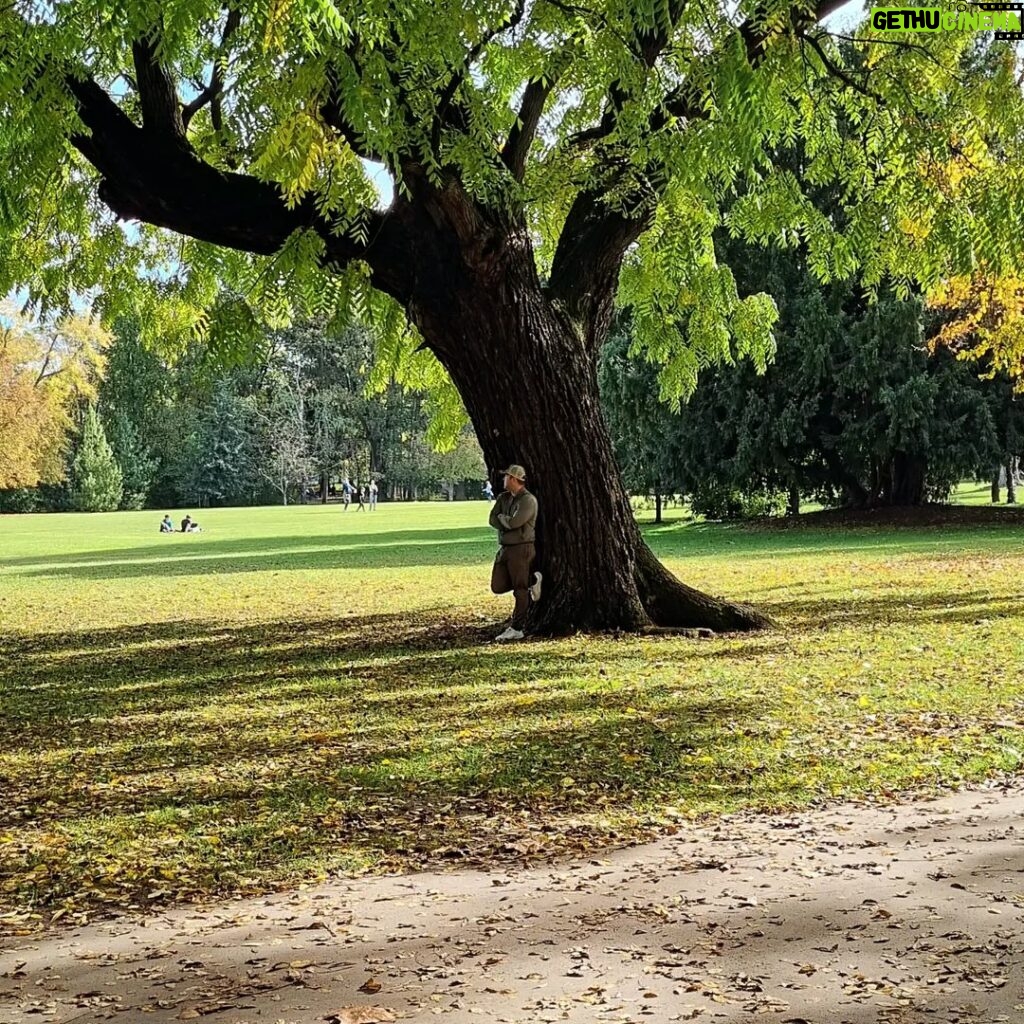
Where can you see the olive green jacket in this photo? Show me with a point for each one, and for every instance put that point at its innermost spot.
(514, 516)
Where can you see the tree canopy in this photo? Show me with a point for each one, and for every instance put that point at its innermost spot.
(595, 129)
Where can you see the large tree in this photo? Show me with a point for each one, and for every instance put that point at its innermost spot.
(544, 155)
(48, 371)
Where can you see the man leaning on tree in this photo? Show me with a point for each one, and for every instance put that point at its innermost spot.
(514, 516)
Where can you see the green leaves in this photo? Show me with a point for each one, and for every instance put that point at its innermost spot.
(672, 112)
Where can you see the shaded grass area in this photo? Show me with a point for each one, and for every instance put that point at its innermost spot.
(291, 693)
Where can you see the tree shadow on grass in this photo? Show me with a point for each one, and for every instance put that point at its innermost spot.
(903, 607)
(216, 750)
(187, 757)
(203, 554)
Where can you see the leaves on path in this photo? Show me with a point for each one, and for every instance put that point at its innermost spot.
(360, 1015)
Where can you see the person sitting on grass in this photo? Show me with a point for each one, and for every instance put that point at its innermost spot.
(166, 525)
(189, 525)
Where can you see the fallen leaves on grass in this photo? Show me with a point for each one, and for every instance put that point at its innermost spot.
(144, 764)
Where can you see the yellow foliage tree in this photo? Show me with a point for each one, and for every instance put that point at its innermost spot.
(46, 373)
(986, 322)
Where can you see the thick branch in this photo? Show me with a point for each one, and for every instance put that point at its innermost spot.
(158, 97)
(585, 270)
(524, 131)
(160, 180)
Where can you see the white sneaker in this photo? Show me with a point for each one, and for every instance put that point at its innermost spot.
(535, 589)
(510, 634)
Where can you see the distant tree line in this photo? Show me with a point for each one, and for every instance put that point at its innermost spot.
(135, 430)
(862, 406)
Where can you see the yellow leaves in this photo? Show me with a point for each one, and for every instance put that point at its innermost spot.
(46, 372)
(986, 321)
(277, 24)
(917, 228)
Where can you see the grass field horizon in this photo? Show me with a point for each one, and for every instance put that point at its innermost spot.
(303, 690)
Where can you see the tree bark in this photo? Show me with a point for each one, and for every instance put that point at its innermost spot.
(1011, 482)
(995, 487)
(538, 405)
(905, 480)
(657, 502)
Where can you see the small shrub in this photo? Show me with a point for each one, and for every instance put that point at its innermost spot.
(719, 502)
(19, 499)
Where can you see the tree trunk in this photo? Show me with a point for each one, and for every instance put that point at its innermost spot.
(793, 508)
(906, 480)
(855, 495)
(1011, 482)
(996, 477)
(324, 483)
(657, 502)
(495, 335)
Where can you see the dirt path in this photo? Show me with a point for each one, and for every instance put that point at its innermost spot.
(853, 915)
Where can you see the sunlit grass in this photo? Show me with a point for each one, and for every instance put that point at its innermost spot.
(299, 691)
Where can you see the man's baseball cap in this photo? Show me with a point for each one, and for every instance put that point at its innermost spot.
(516, 471)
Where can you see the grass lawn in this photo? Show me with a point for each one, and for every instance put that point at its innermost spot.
(304, 690)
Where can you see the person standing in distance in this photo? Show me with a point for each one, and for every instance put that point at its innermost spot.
(514, 516)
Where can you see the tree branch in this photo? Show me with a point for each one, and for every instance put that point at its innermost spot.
(442, 116)
(756, 34)
(595, 236)
(593, 243)
(333, 114)
(160, 180)
(158, 96)
(837, 72)
(524, 131)
(214, 91)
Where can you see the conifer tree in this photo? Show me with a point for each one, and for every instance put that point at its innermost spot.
(95, 483)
